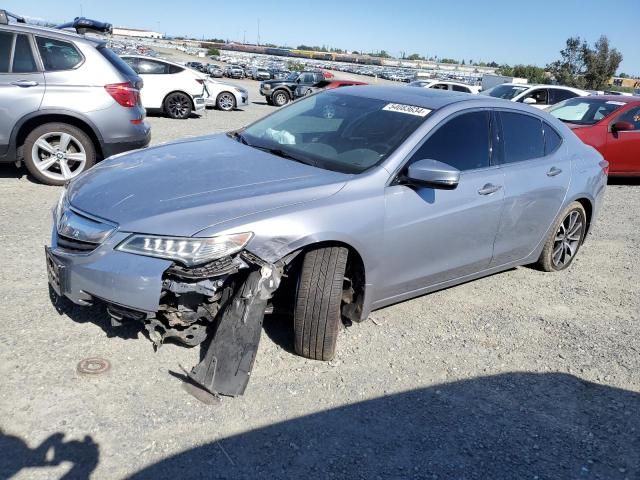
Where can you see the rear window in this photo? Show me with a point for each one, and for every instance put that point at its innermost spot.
(6, 41)
(522, 137)
(58, 55)
(119, 64)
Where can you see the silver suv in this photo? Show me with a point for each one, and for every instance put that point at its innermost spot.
(66, 101)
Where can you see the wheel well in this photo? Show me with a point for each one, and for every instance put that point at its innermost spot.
(193, 107)
(35, 122)
(588, 208)
(355, 273)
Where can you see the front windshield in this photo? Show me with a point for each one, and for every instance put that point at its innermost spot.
(336, 131)
(584, 110)
(505, 91)
(292, 76)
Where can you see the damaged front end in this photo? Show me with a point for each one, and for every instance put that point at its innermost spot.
(225, 301)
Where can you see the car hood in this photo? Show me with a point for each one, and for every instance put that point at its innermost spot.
(185, 187)
(275, 82)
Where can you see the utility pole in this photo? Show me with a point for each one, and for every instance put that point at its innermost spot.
(258, 31)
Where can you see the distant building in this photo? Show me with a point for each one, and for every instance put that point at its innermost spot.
(633, 83)
(135, 32)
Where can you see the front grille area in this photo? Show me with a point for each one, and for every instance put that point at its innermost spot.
(74, 245)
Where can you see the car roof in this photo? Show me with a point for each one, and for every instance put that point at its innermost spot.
(421, 97)
(154, 58)
(616, 98)
(54, 33)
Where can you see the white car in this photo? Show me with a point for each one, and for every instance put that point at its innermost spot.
(539, 96)
(169, 87)
(446, 85)
(224, 96)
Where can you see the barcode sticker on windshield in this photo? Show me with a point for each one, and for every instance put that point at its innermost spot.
(408, 109)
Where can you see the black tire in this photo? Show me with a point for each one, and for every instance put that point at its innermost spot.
(178, 105)
(564, 237)
(318, 302)
(226, 101)
(280, 98)
(79, 141)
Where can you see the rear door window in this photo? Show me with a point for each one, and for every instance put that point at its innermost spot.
(58, 55)
(557, 95)
(460, 88)
(6, 43)
(445, 144)
(522, 137)
(539, 95)
(23, 59)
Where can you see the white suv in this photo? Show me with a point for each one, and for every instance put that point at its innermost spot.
(539, 96)
(169, 87)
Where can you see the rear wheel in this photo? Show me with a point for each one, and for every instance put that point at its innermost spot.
(318, 302)
(280, 98)
(226, 101)
(178, 105)
(565, 238)
(54, 153)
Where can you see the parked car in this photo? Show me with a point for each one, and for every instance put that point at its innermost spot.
(304, 90)
(539, 96)
(234, 71)
(196, 66)
(215, 71)
(279, 92)
(610, 124)
(343, 203)
(171, 88)
(224, 96)
(445, 85)
(66, 102)
(262, 74)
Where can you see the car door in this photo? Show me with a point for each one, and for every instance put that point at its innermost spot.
(22, 83)
(537, 173)
(432, 235)
(623, 148)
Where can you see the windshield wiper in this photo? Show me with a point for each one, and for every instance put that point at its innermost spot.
(283, 154)
(239, 137)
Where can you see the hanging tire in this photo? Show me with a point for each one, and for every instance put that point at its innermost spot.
(280, 98)
(564, 240)
(226, 101)
(318, 302)
(55, 153)
(178, 105)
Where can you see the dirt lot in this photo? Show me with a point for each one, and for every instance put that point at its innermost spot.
(522, 374)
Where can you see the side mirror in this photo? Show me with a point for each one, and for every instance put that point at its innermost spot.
(434, 174)
(529, 101)
(622, 127)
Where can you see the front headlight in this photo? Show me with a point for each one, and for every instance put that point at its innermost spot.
(266, 87)
(189, 251)
(57, 213)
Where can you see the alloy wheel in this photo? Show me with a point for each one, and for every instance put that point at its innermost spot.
(567, 239)
(226, 101)
(59, 156)
(178, 106)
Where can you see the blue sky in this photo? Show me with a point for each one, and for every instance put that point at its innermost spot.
(505, 31)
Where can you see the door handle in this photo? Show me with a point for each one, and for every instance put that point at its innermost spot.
(554, 171)
(25, 83)
(489, 188)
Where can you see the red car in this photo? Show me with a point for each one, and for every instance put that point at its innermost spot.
(610, 124)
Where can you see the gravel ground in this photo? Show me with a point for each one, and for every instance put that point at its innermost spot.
(522, 374)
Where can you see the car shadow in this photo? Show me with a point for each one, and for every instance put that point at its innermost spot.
(9, 170)
(509, 426)
(262, 103)
(96, 314)
(16, 455)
